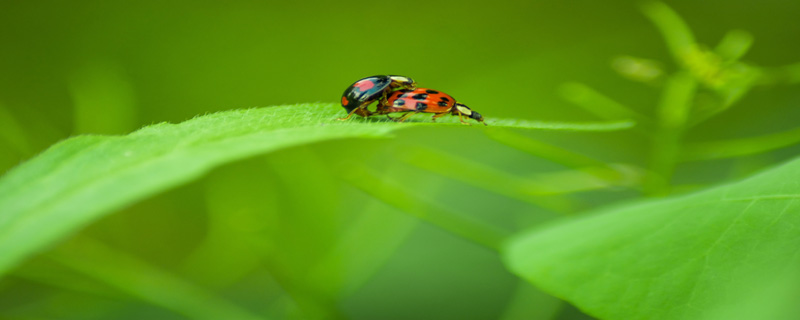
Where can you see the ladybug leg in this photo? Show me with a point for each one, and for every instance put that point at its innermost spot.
(382, 107)
(363, 112)
(406, 116)
(461, 118)
(383, 98)
(348, 115)
(360, 110)
(438, 115)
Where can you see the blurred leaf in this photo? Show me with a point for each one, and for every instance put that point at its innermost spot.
(676, 100)
(80, 179)
(543, 150)
(613, 125)
(260, 216)
(675, 31)
(367, 243)
(731, 85)
(609, 174)
(638, 69)
(104, 99)
(739, 147)
(673, 110)
(42, 270)
(11, 131)
(770, 296)
(240, 200)
(394, 195)
(715, 69)
(718, 70)
(143, 281)
(256, 209)
(302, 225)
(793, 72)
(547, 190)
(590, 178)
(598, 104)
(529, 303)
(486, 177)
(736, 81)
(734, 45)
(675, 258)
(783, 75)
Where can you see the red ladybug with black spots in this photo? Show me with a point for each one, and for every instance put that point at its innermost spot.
(363, 92)
(425, 100)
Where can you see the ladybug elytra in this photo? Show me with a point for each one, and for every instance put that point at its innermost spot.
(413, 101)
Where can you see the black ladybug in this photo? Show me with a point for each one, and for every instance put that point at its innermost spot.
(363, 92)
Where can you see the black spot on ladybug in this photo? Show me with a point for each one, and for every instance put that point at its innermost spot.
(399, 102)
(422, 106)
(420, 96)
(431, 91)
(444, 99)
(442, 103)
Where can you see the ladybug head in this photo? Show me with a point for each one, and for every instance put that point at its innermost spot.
(401, 81)
(463, 109)
(478, 117)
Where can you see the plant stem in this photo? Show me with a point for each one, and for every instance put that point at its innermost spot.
(673, 111)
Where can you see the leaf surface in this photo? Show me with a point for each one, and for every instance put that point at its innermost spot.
(675, 258)
(80, 179)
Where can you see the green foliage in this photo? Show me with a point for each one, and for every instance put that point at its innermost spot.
(697, 256)
(139, 279)
(676, 258)
(611, 205)
(96, 174)
(81, 179)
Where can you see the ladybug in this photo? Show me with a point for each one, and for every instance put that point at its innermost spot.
(425, 100)
(363, 92)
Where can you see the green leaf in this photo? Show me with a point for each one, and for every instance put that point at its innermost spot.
(783, 75)
(740, 147)
(80, 179)
(673, 110)
(600, 105)
(675, 258)
(144, 281)
(393, 194)
(617, 124)
(675, 31)
(547, 190)
(638, 69)
(365, 246)
(734, 45)
(529, 302)
(676, 100)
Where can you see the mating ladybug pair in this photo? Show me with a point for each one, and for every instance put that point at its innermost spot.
(400, 94)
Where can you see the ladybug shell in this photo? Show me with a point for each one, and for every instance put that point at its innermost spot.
(364, 91)
(420, 99)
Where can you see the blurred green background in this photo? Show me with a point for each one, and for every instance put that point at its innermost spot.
(263, 234)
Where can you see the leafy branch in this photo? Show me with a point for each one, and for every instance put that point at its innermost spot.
(718, 71)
